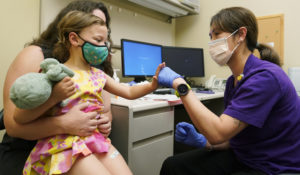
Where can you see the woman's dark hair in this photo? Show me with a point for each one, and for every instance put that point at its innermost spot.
(231, 19)
(50, 36)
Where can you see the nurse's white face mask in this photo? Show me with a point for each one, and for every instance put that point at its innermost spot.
(219, 50)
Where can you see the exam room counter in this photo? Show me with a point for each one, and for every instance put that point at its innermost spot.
(143, 129)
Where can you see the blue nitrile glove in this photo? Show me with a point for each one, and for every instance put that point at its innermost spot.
(166, 77)
(187, 134)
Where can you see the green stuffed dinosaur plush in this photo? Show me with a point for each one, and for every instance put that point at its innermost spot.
(33, 89)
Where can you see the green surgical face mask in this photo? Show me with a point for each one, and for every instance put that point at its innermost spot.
(93, 54)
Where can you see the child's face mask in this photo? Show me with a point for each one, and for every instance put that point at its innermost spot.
(93, 54)
(219, 50)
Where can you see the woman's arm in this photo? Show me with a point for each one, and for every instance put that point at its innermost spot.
(221, 146)
(28, 60)
(216, 129)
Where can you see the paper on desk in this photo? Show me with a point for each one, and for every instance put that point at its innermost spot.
(171, 99)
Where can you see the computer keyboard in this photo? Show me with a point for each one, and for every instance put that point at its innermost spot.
(163, 91)
(202, 90)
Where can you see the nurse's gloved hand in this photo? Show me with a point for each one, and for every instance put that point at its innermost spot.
(166, 77)
(187, 134)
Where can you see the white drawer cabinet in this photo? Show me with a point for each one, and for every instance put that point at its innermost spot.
(147, 158)
(150, 123)
(144, 137)
(142, 130)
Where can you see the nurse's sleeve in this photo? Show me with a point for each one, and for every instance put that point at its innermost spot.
(255, 98)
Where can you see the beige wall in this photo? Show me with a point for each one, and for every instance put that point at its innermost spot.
(126, 23)
(192, 31)
(19, 24)
(130, 25)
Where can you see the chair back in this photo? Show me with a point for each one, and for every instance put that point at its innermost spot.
(1, 120)
(294, 74)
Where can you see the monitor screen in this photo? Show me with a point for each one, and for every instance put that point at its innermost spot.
(187, 62)
(140, 59)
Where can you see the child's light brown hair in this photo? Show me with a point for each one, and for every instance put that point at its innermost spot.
(74, 21)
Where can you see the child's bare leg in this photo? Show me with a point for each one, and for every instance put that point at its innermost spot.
(88, 165)
(114, 162)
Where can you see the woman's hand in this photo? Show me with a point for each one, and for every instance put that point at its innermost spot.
(106, 115)
(77, 122)
(63, 89)
(167, 76)
(187, 134)
(105, 125)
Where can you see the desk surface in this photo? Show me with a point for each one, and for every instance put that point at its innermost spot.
(150, 102)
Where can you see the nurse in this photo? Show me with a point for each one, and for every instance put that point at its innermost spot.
(259, 130)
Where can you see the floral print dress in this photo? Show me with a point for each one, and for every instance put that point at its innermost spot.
(56, 154)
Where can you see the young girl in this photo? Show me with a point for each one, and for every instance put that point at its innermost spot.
(81, 44)
(19, 139)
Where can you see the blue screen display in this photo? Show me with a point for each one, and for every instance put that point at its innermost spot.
(140, 59)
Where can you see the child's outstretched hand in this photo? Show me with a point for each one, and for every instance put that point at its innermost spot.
(63, 89)
(155, 77)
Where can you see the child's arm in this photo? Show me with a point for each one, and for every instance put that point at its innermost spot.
(132, 92)
(60, 91)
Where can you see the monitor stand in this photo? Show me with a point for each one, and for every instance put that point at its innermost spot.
(139, 79)
(189, 81)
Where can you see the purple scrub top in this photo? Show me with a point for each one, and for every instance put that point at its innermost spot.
(265, 99)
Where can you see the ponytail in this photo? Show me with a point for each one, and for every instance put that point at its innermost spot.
(267, 53)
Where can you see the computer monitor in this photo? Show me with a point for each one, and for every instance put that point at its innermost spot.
(187, 62)
(140, 59)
